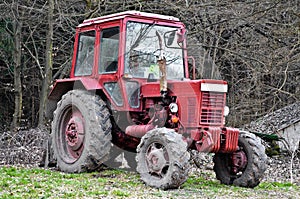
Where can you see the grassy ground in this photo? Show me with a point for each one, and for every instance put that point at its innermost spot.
(16, 182)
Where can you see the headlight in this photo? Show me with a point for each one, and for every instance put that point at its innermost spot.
(226, 110)
(173, 107)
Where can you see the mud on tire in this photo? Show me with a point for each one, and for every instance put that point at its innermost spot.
(249, 174)
(162, 159)
(81, 132)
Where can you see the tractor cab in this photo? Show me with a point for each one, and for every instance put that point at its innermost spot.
(122, 51)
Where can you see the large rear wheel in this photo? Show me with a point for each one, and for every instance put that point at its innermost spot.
(162, 159)
(246, 166)
(81, 132)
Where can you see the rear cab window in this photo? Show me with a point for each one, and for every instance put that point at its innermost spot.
(85, 53)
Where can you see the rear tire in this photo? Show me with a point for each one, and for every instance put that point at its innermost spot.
(250, 163)
(81, 132)
(162, 159)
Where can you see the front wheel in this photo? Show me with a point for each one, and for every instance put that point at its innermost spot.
(246, 166)
(162, 159)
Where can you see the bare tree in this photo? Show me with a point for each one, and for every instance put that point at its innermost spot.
(16, 32)
(17, 74)
(47, 79)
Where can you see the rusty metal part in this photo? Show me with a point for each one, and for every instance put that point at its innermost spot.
(239, 161)
(161, 61)
(163, 77)
(206, 143)
(157, 159)
(216, 139)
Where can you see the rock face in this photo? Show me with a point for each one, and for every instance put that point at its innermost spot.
(284, 122)
(283, 168)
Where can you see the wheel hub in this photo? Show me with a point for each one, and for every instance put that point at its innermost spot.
(74, 133)
(239, 161)
(156, 160)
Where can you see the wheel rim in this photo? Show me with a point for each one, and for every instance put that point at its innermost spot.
(71, 135)
(239, 162)
(157, 158)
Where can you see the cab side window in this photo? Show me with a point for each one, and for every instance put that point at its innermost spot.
(85, 54)
(109, 50)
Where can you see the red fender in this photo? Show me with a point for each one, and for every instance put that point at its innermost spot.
(62, 86)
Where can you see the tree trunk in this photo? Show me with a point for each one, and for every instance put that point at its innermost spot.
(48, 67)
(17, 75)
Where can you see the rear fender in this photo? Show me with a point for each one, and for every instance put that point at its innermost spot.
(62, 86)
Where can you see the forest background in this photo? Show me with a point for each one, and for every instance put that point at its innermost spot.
(254, 45)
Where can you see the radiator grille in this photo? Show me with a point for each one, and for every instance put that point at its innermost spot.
(212, 106)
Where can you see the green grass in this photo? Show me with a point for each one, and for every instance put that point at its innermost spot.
(41, 183)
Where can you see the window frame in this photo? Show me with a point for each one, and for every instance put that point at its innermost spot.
(78, 47)
(114, 58)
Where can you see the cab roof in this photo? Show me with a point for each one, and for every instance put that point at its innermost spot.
(122, 15)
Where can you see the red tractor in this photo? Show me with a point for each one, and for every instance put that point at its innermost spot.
(129, 88)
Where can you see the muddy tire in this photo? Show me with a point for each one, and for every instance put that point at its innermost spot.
(245, 167)
(81, 132)
(162, 159)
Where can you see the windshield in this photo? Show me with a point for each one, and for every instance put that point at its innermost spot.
(143, 49)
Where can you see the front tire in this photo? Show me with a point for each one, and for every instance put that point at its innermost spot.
(162, 159)
(81, 132)
(246, 166)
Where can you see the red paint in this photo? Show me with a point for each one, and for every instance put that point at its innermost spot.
(138, 131)
(231, 139)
